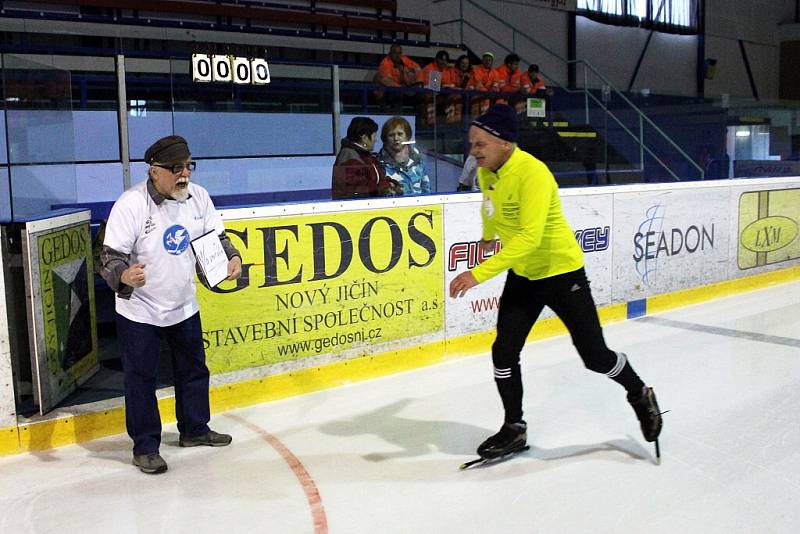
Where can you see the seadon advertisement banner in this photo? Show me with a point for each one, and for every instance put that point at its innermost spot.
(666, 240)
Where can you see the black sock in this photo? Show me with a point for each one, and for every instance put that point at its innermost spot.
(628, 379)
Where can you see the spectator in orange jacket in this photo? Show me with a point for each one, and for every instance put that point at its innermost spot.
(397, 70)
(483, 79)
(532, 81)
(483, 75)
(508, 76)
(440, 64)
(454, 103)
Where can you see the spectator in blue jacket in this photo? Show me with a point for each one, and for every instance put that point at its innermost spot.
(401, 161)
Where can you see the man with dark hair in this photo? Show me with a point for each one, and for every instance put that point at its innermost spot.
(447, 80)
(440, 64)
(147, 261)
(545, 268)
(531, 81)
(508, 75)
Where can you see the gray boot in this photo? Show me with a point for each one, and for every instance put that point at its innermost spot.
(152, 464)
(211, 439)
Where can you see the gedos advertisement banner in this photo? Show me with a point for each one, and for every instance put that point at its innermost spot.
(64, 347)
(769, 224)
(669, 240)
(316, 285)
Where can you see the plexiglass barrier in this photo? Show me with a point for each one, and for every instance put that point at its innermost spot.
(61, 139)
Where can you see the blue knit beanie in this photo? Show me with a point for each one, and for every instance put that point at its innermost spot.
(500, 120)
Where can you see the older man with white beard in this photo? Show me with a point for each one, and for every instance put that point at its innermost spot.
(147, 261)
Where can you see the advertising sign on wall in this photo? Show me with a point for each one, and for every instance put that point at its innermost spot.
(61, 312)
(590, 218)
(322, 284)
(769, 227)
(669, 240)
(477, 310)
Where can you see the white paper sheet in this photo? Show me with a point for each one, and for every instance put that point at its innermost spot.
(211, 257)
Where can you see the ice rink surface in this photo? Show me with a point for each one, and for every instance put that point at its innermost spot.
(383, 456)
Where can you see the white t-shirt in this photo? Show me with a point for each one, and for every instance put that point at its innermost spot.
(158, 236)
(469, 172)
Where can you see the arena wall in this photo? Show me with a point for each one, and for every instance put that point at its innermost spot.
(338, 292)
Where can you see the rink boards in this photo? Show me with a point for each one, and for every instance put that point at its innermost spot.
(337, 292)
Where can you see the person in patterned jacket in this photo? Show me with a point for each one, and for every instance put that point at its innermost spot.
(401, 161)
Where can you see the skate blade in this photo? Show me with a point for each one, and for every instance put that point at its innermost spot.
(658, 453)
(484, 461)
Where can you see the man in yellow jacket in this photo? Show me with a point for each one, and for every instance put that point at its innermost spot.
(521, 206)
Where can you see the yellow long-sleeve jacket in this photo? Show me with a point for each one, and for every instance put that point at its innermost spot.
(521, 206)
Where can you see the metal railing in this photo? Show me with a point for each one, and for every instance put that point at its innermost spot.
(588, 67)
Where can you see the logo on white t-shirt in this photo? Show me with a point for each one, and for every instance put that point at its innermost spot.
(149, 225)
(176, 239)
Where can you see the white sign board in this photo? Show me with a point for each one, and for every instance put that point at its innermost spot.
(590, 217)
(201, 68)
(669, 240)
(536, 107)
(477, 310)
(240, 70)
(221, 69)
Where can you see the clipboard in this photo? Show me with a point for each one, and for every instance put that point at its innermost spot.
(211, 257)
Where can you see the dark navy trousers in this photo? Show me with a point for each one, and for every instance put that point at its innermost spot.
(140, 347)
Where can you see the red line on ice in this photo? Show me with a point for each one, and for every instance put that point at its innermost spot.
(308, 484)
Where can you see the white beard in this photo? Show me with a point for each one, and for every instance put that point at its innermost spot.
(180, 195)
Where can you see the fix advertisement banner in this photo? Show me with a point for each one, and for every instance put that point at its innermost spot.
(590, 218)
(57, 253)
(323, 284)
(477, 310)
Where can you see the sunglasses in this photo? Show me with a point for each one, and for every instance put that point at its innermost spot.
(178, 167)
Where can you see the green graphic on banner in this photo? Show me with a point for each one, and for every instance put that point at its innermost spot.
(66, 288)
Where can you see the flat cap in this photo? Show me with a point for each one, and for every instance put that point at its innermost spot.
(169, 149)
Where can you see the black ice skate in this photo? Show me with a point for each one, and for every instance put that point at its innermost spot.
(646, 408)
(508, 441)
